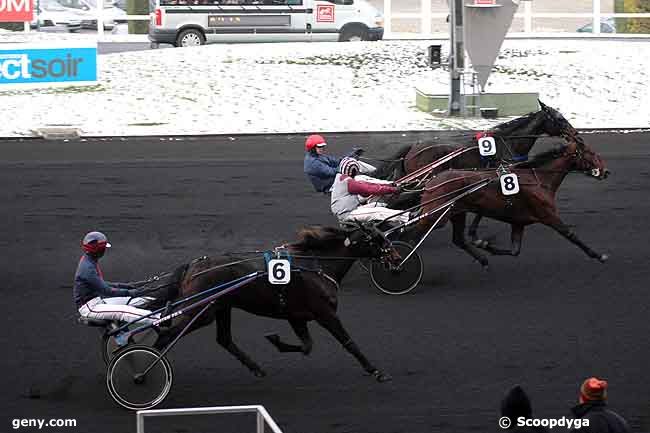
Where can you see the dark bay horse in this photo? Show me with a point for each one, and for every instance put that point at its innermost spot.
(539, 180)
(324, 256)
(514, 140)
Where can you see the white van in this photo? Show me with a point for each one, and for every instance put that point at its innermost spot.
(194, 22)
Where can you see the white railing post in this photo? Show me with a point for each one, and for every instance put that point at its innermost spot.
(425, 26)
(100, 20)
(596, 10)
(528, 17)
(387, 16)
(260, 422)
(26, 27)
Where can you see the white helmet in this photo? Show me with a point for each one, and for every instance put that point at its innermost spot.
(349, 166)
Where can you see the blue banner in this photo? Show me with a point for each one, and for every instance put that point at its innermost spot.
(31, 65)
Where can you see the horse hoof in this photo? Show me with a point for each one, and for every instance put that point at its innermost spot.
(382, 377)
(603, 258)
(259, 373)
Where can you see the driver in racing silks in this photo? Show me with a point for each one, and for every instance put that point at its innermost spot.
(351, 191)
(321, 168)
(99, 299)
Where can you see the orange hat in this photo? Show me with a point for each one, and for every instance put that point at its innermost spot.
(593, 389)
(314, 141)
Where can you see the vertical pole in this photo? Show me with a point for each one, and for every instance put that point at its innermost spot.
(260, 422)
(456, 57)
(387, 17)
(139, 422)
(100, 20)
(596, 24)
(528, 16)
(425, 15)
(26, 26)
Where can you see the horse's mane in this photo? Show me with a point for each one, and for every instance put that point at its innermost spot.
(318, 238)
(544, 157)
(394, 161)
(510, 125)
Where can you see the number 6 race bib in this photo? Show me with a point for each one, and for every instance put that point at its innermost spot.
(279, 271)
(509, 184)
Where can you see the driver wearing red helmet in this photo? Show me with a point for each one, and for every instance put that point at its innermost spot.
(321, 168)
(98, 299)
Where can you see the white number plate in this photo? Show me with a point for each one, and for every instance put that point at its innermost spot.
(279, 271)
(509, 184)
(487, 146)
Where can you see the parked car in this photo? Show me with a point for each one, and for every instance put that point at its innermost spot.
(52, 13)
(607, 25)
(112, 14)
(185, 23)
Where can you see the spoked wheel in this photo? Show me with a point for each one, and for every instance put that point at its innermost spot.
(110, 346)
(398, 281)
(126, 384)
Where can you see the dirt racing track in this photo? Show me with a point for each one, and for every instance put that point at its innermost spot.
(545, 320)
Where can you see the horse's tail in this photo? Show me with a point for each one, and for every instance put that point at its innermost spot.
(393, 167)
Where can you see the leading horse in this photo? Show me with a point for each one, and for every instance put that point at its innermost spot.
(322, 257)
(539, 181)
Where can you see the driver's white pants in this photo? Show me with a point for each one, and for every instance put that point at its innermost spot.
(372, 212)
(117, 309)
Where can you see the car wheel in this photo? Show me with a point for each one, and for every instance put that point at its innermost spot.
(354, 34)
(190, 38)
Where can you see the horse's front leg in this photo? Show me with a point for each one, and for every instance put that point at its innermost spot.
(472, 232)
(330, 321)
(224, 338)
(301, 330)
(560, 227)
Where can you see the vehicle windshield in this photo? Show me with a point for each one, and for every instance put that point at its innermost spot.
(51, 5)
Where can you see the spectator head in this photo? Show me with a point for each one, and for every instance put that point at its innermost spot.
(593, 389)
(516, 404)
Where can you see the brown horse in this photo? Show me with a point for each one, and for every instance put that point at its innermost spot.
(322, 257)
(539, 180)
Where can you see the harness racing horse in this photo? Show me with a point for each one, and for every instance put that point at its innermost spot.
(514, 140)
(539, 180)
(323, 255)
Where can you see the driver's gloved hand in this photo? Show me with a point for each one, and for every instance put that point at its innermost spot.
(134, 293)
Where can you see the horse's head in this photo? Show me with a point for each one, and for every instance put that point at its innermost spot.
(555, 124)
(366, 240)
(587, 160)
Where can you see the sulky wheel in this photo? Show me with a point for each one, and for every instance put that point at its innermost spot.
(110, 346)
(398, 281)
(126, 384)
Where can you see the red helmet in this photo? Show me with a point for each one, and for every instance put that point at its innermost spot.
(95, 243)
(314, 141)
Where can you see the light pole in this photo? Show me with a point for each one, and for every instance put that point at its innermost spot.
(456, 56)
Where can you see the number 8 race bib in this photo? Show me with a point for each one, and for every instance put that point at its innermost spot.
(509, 184)
(279, 271)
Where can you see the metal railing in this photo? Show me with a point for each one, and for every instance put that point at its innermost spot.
(426, 15)
(263, 417)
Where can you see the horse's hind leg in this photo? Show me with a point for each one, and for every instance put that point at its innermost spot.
(472, 232)
(333, 324)
(301, 330)
(458, 222)
(224, 338)
(565, 231)
(516, 237)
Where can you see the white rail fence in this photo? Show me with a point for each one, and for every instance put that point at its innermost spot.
(426, 16)
(263, 417)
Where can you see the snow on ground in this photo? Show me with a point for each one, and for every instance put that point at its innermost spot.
(301, 87)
